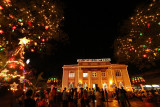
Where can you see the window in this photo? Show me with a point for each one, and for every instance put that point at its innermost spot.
(94, 74)
(118, 73)
(71, 74)
(103, 74)
(85, 74)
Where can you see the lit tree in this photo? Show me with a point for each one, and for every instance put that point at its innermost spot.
(13, 71)
(141, 46)
(35, 22)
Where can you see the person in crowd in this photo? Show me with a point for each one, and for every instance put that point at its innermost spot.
(121, 98)
(89, 94)
(29, 102)
(72, 93)
(65, 98)
(43, 103)
(93, 95)
(75, 95)
(125, 96)
(117, 92)
(85, 97)
(102, 93)
(98, 96)
(106, 95)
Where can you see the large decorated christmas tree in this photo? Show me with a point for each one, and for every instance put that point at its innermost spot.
(34, 23)
(141, 46)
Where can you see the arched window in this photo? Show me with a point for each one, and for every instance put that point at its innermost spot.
(118, 72)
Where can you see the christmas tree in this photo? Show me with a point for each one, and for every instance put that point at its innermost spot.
(38, 21)
(141, 46)
(34, 23)
(14, 69)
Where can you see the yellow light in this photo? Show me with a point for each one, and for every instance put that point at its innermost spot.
(110, 82)
(80, 81)
(24, 41)
(21, 24)
(35, 43)
(148, 50)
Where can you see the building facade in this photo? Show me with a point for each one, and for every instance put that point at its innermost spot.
(96, 72)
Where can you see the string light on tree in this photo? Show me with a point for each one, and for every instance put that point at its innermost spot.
(33, 24)
(1, 7)
(145, 35)
(44, 21)
(1, 32)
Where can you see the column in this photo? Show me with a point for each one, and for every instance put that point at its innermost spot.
(65, 79)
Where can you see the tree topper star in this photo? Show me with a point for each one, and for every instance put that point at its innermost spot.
(13, 86)
(24, 41)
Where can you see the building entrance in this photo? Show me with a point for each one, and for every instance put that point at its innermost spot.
(95, 86)
(104, 86)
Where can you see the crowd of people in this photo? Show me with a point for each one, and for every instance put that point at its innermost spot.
(147, 95)
(75, 97)
(78, 97)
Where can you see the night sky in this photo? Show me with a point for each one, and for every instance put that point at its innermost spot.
(92, 27)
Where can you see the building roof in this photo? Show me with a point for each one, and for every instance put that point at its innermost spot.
(111, 65)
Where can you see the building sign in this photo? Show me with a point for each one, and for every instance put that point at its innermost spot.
(94, 60)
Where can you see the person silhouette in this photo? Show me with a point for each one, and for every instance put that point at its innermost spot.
(125, 96)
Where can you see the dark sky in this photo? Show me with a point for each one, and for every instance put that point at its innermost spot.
(92, 27)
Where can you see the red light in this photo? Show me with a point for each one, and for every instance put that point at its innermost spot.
(32, 50)
(43, 40)
(149, 39)
(10, 16)
(14, 27)
(46, 27)
(12, 58)
(148, 25)
(1, 32)
(8, 1)
(29, 23)
(21, 67)
(1, 7)
(12, 65)
(144, 55)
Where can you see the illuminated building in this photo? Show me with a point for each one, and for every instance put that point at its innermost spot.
(96, 72)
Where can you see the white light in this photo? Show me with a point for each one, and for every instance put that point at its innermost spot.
(85, 74)
(148, 85)
(155, 85)
(28, 61)
(110, 81)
